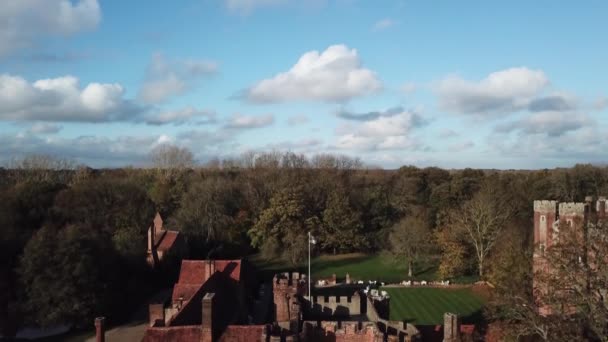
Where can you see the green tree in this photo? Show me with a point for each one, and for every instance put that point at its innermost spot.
(286, 221)
(408, 239)
(342, 227)
(67, 276)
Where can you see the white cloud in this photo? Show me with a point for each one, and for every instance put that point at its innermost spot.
(500, 92)
(166, 78)
(333, 75)
(381, 133)
(25, 22)
(62, 99)
(448, 133)
(383, 24)
(549, 123)
(44, 128)
(246, 6)
(182, 116)
(239, 121)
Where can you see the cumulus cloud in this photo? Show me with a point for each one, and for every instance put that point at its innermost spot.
(44, 128)
(559, 103)
(381, 133)
(334, 75)
(63, 99)
(347, 115)
(182, 116)
(600, 103)
(238, 121)
(166, 78)
(500, 92)
(25, 22)
(302, 144)
(409, 88)
(549, 123)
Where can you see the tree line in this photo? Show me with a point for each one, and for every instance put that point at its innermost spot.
(73, 239)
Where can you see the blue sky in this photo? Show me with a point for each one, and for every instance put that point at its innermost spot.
(516, 84)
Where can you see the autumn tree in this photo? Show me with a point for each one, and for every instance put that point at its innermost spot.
(342, 227)
(285, 224)
(408, 239)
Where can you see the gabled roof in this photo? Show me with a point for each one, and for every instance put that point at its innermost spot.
(195, 271)
(167, 240)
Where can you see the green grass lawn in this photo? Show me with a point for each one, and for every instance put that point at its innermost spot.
(360, 267)
(426, 306)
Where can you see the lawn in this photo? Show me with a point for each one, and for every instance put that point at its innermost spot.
(426, 306)
(378, 267)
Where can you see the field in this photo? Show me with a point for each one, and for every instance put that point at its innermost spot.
(360, 267)
(426, 306)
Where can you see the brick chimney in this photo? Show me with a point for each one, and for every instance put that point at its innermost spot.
(100, 329)
(207, 320)
(158, 223)
(151, 236)
(157, 314)
(451, 327)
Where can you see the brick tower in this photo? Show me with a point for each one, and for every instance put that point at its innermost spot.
(287, 292)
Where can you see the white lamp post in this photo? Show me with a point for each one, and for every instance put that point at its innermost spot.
(311, 240)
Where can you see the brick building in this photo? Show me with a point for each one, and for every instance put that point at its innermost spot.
(548, 217)
(163, 243)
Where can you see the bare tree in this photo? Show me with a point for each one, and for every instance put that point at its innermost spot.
(42, 167)
(408, 239)
(482, 219)
(169, 158)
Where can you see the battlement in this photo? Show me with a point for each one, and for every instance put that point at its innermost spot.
(545, 206)
(286, 279)
(571, 209)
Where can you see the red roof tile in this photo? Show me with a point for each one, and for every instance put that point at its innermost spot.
(195, 271)
(167, 240)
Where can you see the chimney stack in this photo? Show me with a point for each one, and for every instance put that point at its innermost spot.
(158, 223)
(100, 329)
(151, 234)
(451, 328)
(207, 321)
(210, 269)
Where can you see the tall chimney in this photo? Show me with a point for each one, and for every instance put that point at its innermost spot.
(151, 234)
(158, 223)
(451, 328)
(210, 269)
(100, 329)
(207, 320)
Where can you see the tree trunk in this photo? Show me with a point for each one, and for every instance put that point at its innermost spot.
(410, 266)
(480, 269)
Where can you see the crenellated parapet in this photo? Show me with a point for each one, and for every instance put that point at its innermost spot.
(571, 209)
(545, 206)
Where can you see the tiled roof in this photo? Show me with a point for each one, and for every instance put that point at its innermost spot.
(167, 240)
(195, 271)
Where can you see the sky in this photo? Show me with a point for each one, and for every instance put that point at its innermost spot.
(454, 84)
